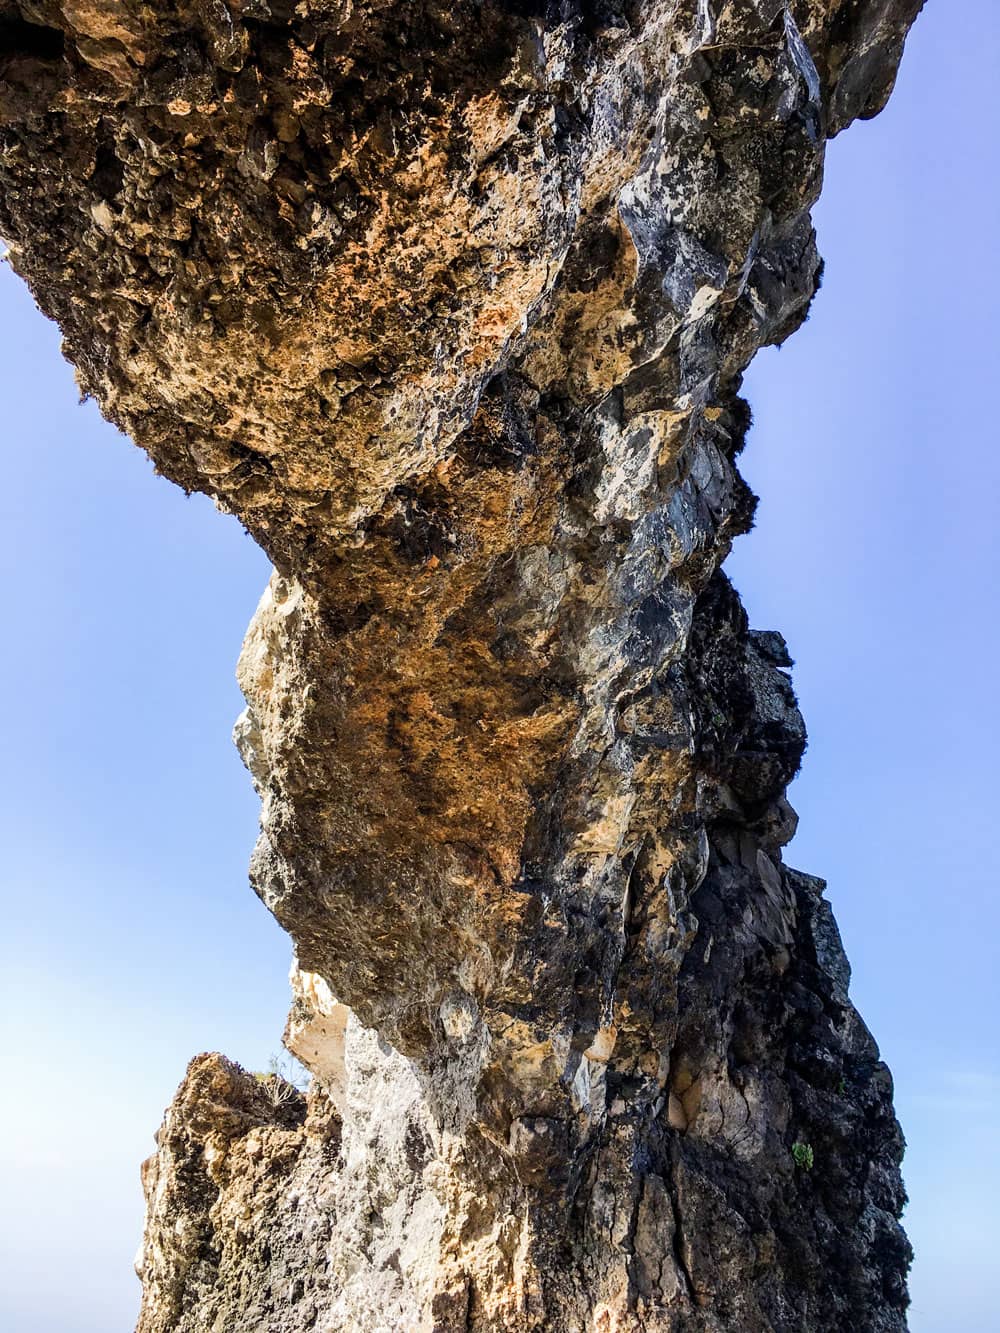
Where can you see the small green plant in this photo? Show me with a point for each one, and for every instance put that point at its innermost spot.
(803, 1155)
(291, 1070)
(842, 1087)
(284, 1078)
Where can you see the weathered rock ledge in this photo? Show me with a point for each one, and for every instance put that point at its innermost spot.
(450, 304)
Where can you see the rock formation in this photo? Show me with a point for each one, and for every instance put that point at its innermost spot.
(449, 303)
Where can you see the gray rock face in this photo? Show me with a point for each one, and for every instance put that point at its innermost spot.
(450, 304)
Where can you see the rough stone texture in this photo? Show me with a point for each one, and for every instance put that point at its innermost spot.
(450, 304)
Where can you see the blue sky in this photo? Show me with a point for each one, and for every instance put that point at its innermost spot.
(131, 939)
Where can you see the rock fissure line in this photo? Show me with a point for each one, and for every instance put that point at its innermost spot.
(450, 305)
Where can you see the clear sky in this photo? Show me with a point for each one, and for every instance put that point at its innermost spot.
(131, 940)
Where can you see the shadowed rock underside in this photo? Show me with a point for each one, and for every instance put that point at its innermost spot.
(449, 304)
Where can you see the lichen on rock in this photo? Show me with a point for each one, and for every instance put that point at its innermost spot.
(450, 304)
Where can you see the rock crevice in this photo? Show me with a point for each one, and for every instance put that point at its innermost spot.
(450, 306)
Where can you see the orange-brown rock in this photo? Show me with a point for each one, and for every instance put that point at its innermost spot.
(450, 305)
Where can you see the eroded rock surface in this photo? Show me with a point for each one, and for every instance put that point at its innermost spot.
(450, 304)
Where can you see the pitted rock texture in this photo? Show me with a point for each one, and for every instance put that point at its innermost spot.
(450, 305)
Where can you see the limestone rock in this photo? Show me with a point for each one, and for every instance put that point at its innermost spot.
(450, 305)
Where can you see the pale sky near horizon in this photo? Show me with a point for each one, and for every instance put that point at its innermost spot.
(131, 940)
